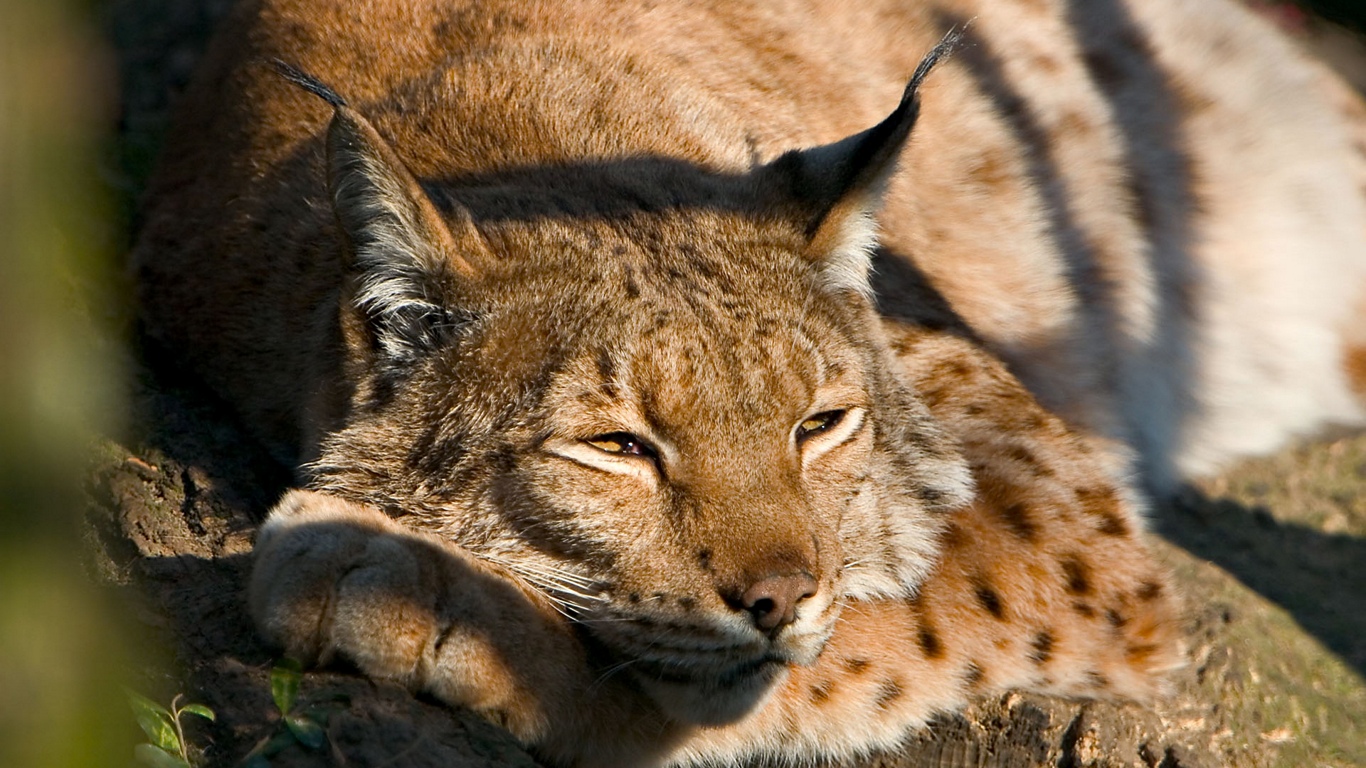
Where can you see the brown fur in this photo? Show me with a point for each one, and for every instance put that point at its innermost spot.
(1066, 608)
(564, 311)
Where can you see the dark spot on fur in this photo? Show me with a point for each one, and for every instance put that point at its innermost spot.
(1073, 123)
(929, 643)
(660, 320)
(634, 597)
(1113, 525)
(1042, 62)
(607, 370)
(632, 290)
(687, 603)
(1140, 652)
(989, 598)
(1148, 590)
(1096, 679)
(1027, 457)
(1115, 618)
(990, 168)
(1018, 519)
(1041, 647)
(1076, 572)
(1084, 609)
(975, 409)
(888, 691)
(1103, 504)
(856, 666)
(1193, 99)
(704, 559)
(820, 692)
(973, 675)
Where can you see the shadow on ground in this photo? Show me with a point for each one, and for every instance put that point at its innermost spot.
(1319, 578)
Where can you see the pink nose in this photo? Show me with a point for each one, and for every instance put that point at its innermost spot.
(772, 601)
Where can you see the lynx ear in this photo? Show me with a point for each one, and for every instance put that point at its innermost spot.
(406, 259)
(839, 186)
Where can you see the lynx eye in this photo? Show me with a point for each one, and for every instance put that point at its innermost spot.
(819, 422)
(622, 444)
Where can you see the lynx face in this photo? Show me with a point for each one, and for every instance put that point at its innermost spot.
(687, 445)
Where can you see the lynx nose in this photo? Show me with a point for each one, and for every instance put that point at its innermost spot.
(772, 601)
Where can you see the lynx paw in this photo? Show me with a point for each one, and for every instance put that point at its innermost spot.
(333, 578)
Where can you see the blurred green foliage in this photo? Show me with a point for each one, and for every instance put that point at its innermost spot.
(61, 653)
(167, 745)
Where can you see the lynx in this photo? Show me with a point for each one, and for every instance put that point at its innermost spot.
(682, 383)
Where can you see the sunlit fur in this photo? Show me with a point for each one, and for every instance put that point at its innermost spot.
(1123, 242)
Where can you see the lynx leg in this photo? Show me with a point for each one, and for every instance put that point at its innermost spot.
(336, 578)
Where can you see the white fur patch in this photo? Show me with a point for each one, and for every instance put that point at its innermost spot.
(388, 246)
(849, 263)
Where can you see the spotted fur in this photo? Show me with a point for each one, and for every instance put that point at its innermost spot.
(673, 384)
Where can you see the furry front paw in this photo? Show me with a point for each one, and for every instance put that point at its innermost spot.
(334, 578)
(308, 543)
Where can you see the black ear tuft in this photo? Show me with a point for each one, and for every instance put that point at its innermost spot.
(837, 187)
(308, 82)
(860, 164)
(874, 156)
(405, 261)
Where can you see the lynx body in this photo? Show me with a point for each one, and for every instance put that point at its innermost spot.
(651, 403)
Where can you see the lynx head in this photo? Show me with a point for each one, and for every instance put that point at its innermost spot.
(658, 393)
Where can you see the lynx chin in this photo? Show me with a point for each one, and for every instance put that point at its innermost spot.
(683, 383)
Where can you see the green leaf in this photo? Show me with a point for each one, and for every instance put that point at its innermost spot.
(278, 743)
(309, 733)
(155, 757)
(284, 684)
(142, 702)
(199, 709)
(155, 721)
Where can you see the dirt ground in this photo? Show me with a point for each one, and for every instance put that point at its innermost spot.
(1271, 557)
